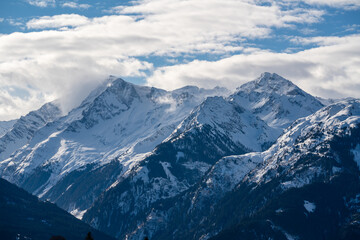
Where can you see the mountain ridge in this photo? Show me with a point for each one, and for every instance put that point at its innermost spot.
(223, 203)
(117, 121)
(199, 141)
(132, 160)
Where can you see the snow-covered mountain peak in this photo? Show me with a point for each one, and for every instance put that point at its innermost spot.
(118, 122)
(188, 88)
(50, 111)
(113, 88)
(98, 90)
(117, 93)
(271, 83)
(24, 128)
(266, 76)
(113, 97)
(208, 112)
(275, 100)
(122, 89)
(229, 119)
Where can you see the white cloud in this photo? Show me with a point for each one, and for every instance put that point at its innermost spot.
(11, 106)
(330, 70)
(347, 4)
(308, 31)
(76, 5)
(46, 79)
(340, 4)
(42, 3)
(217, 18)
(181, 26)
(57, 21)
(324, 41)
(14, 22)
(352, 28)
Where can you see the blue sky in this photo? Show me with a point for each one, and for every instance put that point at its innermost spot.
(60, 49)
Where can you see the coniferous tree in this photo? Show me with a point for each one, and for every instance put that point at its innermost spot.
(89, 237)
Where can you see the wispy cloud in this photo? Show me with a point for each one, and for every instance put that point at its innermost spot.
(308, 31)
(15, 22)
(324, 40)
(42, 3)
(352, 28)
(347, 4)
(76, 5)
(57, 21)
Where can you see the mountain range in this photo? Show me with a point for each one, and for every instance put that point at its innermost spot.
(267, 160)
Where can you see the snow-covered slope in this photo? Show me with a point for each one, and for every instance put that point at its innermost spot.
(307, 136)
(317, 156)
(216, 128)
(118, 121)
(24, 128)
(310, 135)
(230, 119)
(276, 100)
(309, 176)
(127, 150)
(5, 126)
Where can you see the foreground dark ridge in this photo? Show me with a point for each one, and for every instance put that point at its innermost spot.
(23, 216)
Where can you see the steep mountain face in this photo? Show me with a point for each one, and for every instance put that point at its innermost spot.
(22, 131)
(216, 128)
(304, 187)
(310, 176)
(229, 119)
(114, 128)
(276, 100)
(24, 216)
(5, 126)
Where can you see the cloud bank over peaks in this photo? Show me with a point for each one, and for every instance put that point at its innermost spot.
(65, 55)
(329, 70)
